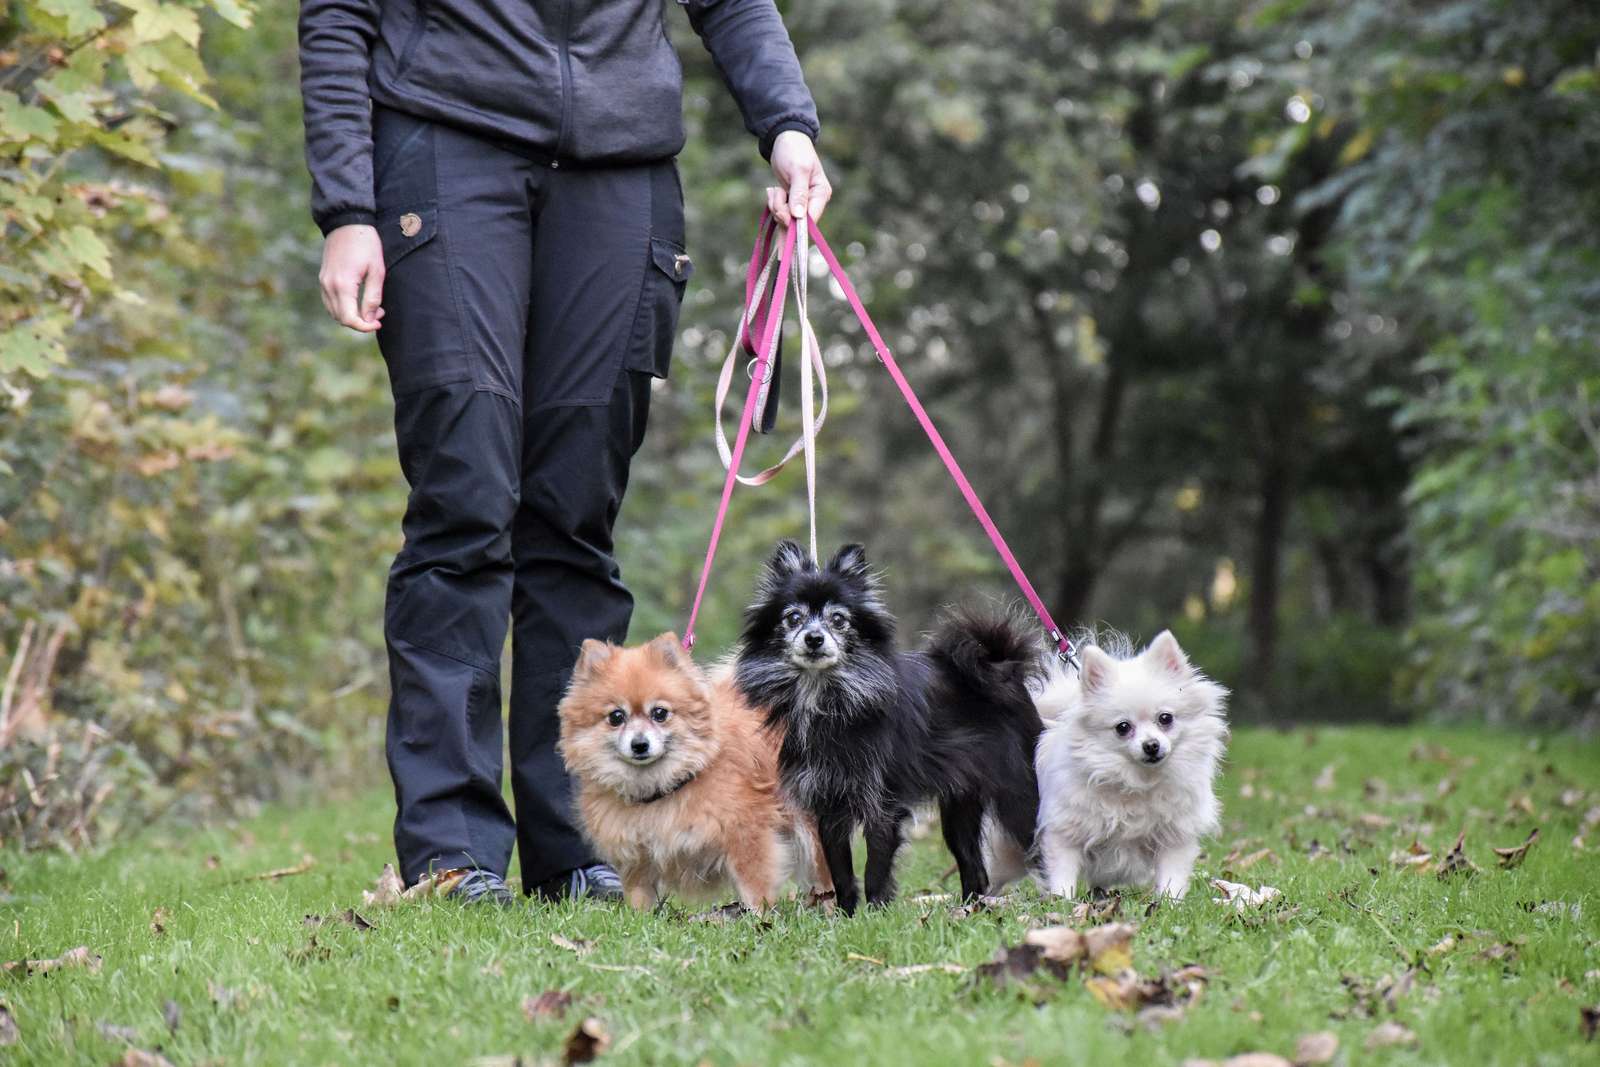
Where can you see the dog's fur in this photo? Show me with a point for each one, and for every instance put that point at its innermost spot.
(868, 730)
(1128, 808)
(686, 804)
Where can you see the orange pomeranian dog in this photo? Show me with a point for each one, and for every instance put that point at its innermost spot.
(678, 780)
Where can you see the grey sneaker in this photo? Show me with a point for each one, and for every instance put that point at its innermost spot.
(477, 886)
(596, 881)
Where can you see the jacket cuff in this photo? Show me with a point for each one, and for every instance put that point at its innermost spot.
(771, 136)
(329, 223)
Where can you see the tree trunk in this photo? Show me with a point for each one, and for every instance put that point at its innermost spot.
(1272, 521)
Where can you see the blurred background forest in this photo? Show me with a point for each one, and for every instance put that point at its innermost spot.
(1270, 320)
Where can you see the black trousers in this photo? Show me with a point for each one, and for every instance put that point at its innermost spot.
(527, 307)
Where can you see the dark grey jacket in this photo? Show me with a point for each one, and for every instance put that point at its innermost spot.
(574, 81)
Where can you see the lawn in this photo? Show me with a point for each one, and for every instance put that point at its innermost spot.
(207, 963)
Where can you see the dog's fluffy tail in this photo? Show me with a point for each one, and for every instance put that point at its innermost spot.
(994, 652)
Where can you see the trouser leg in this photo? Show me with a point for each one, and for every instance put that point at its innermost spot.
(455, 223)
(608, 276)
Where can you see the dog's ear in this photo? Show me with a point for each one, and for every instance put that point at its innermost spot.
(1166, 654)
(591, 656)
(851, 560)
(787, 559)
(668, 649)
(1097, 667)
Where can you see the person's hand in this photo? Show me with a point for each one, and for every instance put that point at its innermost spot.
(352, 277)
(805, 189)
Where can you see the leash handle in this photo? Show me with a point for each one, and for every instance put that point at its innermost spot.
(763, 354)
(1063, 644)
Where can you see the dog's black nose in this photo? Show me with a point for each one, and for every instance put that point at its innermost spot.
(1152, 748)
(641, 747)
(814, 642)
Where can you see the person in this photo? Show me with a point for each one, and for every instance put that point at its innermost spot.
(497, 188)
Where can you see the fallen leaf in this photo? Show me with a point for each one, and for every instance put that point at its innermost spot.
(1096, 911)
(221, 996)
(1499, 952)
(1127, 991)
(586, 1041)
(1513, 857)
(313, 951)
(9, 1034)
(720, 916)
(1373, 821)
(551, 1004)
(859, 958)
(113, 1032)
(1059, 943)
(1110, 947)
(349, 916)
(1242, 897)
(212, 862)
(77, 957)
(1386, 1034)
(158, 922)
(385, 891)
(1444, 945)
(172, 1015)
(305, 864)
(1316, 1048)
(1395, 987)
(1589, 1021)
(579, 946)
(1324, 780)
(1413, 857)
(1455, 861)
(135, 1057)
(1244, 863)
(1571, 798)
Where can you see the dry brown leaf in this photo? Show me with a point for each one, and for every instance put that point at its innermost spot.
(1589, 1021)
(551, 1004)
(720, 916)
(1127, 991)
(9, 1034)
(1316, 1048)
(1571, 798)
(138, 1057)
(1241, 897)
(1444, 945)
(1513, 857)
(1324, 780)
(1390, 1033)
(385, 891)
(113, 1032)
(1100, 910)
(577, 946)
(1374, 821)
(306, 863)
(77, 957)
(586, 1041)
(1060, 943)
(349, 916)
(1455, 861)
(158, 921)
(1244, 863)
(1413, 857)
(1110, 947)
(212, 862)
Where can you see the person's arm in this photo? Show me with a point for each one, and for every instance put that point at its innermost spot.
(335, 53)
(752, 51)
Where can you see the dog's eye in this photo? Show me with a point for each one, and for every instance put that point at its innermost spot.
(660, 713)
(616, 717)
(839, 620)
(792, 617)
(1124, 728)
(1164, 720)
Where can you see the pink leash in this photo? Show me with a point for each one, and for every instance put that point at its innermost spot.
(772, 322)
(1063, 644)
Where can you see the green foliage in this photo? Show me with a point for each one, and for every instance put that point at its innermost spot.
(1474, 223)
(182, 596)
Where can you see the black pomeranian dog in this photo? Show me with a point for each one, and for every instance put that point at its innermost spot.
(869, 730)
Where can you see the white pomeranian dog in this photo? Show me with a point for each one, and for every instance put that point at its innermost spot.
(1126, 766)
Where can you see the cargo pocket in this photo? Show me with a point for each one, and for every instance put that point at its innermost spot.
(656, 325)
(421, 334)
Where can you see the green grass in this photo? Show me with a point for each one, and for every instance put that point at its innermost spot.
(435, 983)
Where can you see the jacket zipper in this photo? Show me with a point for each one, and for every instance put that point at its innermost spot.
(566, 83)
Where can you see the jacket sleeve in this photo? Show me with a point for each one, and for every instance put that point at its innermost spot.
(335, 53)
(752, 51)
